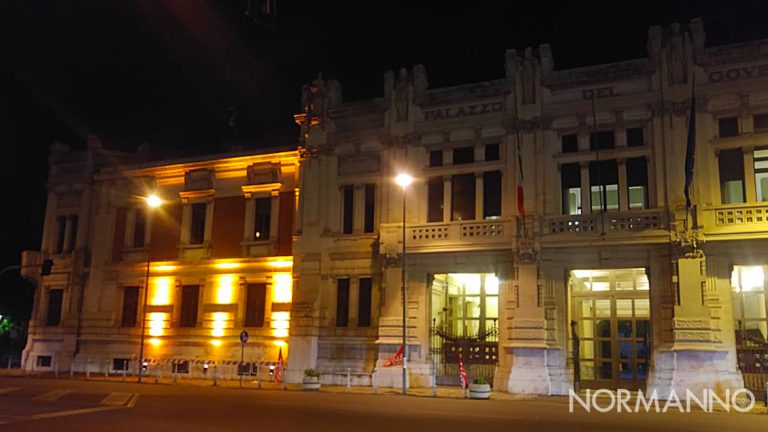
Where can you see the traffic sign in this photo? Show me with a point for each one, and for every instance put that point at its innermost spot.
(243, 336)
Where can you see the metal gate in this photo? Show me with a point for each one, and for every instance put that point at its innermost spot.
(752, 355)
(480, 353)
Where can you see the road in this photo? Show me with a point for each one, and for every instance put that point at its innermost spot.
(35, 404)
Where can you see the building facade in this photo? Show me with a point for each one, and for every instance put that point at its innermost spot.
(216, 253)
(547, 236)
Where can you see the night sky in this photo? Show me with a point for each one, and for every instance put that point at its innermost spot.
(167, 72)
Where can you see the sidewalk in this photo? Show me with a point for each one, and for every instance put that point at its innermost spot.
(445, 392)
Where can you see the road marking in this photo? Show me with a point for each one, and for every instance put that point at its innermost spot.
(60, 414)
(117, 399)
(5, 390)
(53, 395)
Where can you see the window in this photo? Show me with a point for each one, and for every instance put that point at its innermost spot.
(197, 225)
(463, 197)
(491, 152)
(463, 155)
(255, 302)
(760, 122)
(492, 195)
(435, 186)
(602, 140)
(342, 302)
(728, 126)
(731, 164)
(44, 361)
(364, 302)
(72, 220)
(750, 308)
(370, 208)
(120, 364)
(348, 208)
(263, 214)
(604, 185)
(139, 227)
(637, 182)
(61, 232)
(761, 173)
(635, 137)
(189, 300)
(570, 143)
(570, 180)
(55, 297)
(181, 367)
(130, 306)
(436, 158)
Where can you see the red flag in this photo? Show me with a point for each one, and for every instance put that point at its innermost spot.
(280, 366)
(395, 360)
(463, 378)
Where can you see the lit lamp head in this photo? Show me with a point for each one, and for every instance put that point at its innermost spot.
(403, 180)
(154, 201)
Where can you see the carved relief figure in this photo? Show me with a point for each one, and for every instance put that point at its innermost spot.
(401, 95)
(676, 58)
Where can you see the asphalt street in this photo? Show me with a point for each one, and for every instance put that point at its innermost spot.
(36, 404)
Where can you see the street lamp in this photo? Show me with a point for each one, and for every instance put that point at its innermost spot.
(153, 201)
(404, 180)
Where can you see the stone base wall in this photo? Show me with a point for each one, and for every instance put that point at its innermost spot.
(693, 370)
(539, 371)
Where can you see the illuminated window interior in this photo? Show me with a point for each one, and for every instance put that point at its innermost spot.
(750, 306)
(465, 304)
(161, 291)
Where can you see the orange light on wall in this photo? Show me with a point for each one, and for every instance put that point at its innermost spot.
(161, 291)
(225, 289)
(281, 264)
(163, 268)
(155, 342)
(216, 342)
(227, 265)
(157, 323)
(280, 323)
(219, 323)
(282, 285)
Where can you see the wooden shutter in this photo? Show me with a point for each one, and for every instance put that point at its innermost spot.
(285, 223)
(228, 226)
(119, 238)
(166, 233)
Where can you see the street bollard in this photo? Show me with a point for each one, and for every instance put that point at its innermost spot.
(156, 374)
(9, 362)
(125, 369)
(349, 380)
(258, 375)
(88, 369)
(106, 370)
(375, 389)
(72, 370)
(56, 369)
(215, 370)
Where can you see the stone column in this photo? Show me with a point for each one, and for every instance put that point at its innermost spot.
(749, 175)
(697, 358)
(586, 194)
(447, 198)
(478, 196)
(623, 188)
(536, 364)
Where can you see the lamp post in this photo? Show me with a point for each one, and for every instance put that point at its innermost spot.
(153, 201)
(404, 180)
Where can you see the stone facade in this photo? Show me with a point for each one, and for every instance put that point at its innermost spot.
(599, 153)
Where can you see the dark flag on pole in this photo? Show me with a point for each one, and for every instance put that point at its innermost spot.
(690, 150)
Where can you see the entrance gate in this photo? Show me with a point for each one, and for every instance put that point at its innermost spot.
(611, 322)
(465, 309)
(750, 313)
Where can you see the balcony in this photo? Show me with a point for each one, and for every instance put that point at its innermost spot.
(641, 226)
(736, 220)
(450, 236)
